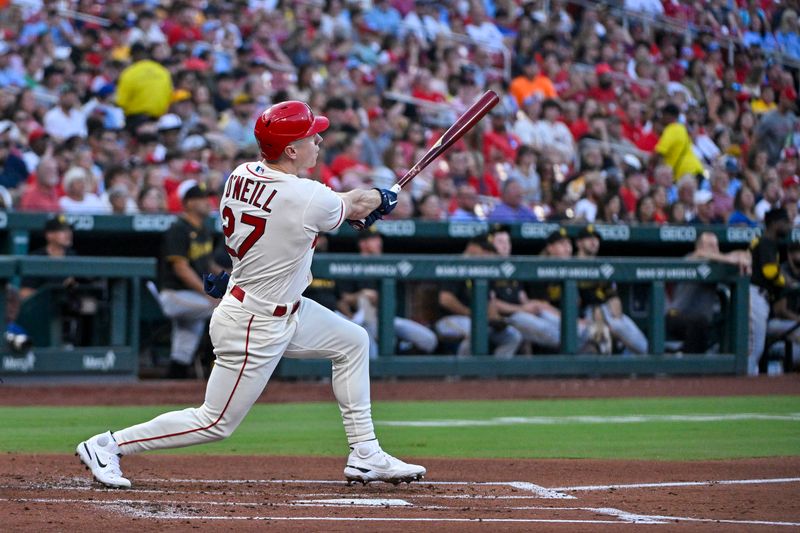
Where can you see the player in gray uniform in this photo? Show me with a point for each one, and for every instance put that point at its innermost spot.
(602, 296)
(359, 302)
(271, 219)
(767, 283)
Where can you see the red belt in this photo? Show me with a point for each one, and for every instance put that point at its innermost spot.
(280, 310)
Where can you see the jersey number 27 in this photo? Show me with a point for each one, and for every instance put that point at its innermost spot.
(230, 224)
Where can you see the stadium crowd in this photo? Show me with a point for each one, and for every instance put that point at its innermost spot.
(639, 111)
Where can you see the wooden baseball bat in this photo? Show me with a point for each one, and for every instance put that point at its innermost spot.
(460, 127)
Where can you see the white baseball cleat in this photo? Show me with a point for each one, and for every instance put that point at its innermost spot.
(368, 462)
(100, 455)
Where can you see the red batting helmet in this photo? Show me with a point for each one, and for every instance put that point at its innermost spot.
(283, 123)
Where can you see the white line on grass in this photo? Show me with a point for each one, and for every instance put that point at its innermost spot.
(621, 419)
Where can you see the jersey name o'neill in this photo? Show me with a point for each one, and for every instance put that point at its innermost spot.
(270, 221)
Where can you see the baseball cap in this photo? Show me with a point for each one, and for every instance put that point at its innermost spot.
(180, 95)
(603, 68)
(170, 121)
(106, 90)
(367, 233)
(731, 165)
(242, 98)
(36, 134)
(558, 235)
(632, 161)
(499, 228)
(192, 167)
(193, 142)
(588, 231)
(790, 152)
(56, 223)
(775, 215)
(192, 191)
(483, 242)
(702, 197)
(791, 181)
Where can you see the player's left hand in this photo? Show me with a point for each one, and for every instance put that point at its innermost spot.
(215, 286)
(359, 225)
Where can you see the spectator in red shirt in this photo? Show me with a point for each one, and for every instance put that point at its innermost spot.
(423, 88)
(499, 138)
(42, 194)
(633, 189)
(604, 92)
(183, 27)
(347, 166)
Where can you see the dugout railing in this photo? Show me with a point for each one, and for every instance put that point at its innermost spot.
(655, 274)
(125, 276)
(118, 355)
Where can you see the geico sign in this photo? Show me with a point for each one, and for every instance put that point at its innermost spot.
(81, 222)
(677, 233)
(742, 234)
(537, 230)
(614, 232)
(397, 228)
(466, 229)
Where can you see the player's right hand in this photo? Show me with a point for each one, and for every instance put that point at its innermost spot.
(388, 201)
(215, 286)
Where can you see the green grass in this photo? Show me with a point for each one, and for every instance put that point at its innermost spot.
(316, 429)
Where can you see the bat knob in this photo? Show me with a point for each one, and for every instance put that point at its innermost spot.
(357, 225)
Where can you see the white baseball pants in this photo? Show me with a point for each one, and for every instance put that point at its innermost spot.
(248, 347)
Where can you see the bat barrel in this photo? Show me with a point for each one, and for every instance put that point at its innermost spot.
(465, 122)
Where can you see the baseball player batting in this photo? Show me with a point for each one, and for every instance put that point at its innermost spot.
(270, 220)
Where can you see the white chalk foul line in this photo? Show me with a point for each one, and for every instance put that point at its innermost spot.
(621, 419)
(346, 502)
(334, 502)
(679, 484)
(537, 490)
(125, 506)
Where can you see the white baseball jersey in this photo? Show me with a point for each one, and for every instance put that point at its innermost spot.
(271, 220)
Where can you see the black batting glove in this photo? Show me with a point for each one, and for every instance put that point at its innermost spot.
(215, 286)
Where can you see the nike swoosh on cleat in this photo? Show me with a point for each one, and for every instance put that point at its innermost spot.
(97, 457)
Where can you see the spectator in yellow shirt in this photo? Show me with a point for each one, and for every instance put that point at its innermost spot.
(766, 101)
(144, 89)
(532, 83)
(675, 146)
